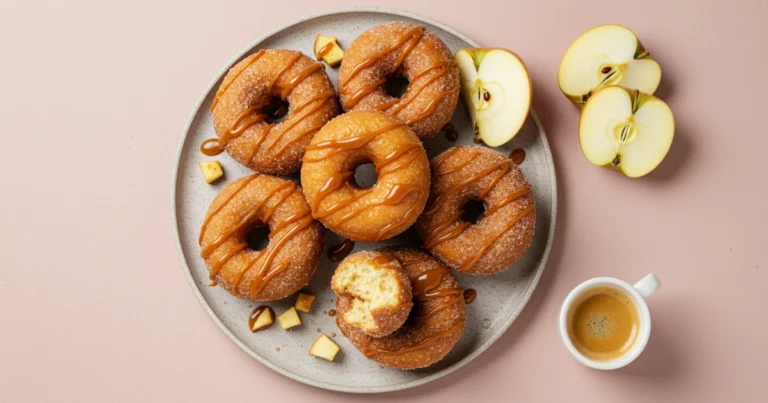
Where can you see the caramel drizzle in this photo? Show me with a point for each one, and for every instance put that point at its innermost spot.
(430, 107)
(464, 267)
(363, 91)
(414, 33)
(395, 196)
(424, 289)
(338, 146)
(206, 252)
(226, 200)
(403, 102)
(394, 156)
(504, 165)
(236, 130)
(415, 346)
(282, 71)
(263, 275)
(324, 96)
(384, 231)
(240, 125)
(224, 87)
(509, 199)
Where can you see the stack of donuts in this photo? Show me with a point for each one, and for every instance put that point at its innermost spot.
(400, 306)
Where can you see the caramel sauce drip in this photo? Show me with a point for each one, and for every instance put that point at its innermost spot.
(469, 295)
(383, 232)
(320, 53)
(255, 315)
(450, 132)
(239, 126)
(340, 251)
(226, 85)
(464, 267)
(418, 260)
(517, 156)
(504, 165)
(332, 312)
(395, 196)
(383, 259)
(439, 236)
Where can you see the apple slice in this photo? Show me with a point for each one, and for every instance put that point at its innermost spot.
(325, 348)
(626, 130)
(327, 49)
(497, 92)
(603, 56)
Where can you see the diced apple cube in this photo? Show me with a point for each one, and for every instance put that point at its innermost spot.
(304, 302)
(325, 348)
(289, 319)
(211, 170)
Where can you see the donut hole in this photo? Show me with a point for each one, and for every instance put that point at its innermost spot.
(276, 110)
(257, 238)
(474, 211)
(365, 175)
(396, 86)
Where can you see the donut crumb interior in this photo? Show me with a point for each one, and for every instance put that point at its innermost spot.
(372, 288)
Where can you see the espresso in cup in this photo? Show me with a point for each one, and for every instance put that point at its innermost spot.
(603, 323)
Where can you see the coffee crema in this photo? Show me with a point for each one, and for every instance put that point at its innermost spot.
(603, 323)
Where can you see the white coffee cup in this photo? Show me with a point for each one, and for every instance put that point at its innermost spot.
(638, 293)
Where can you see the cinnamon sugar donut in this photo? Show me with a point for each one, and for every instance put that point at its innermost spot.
(401, 49)
(246, 92)
(295, 239)
(383, 210)
(374, 292)
(498, 239)
(436, 321)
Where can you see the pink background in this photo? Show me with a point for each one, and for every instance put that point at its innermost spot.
(95, 307)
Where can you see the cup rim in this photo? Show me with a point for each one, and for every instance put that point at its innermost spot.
(643, 313)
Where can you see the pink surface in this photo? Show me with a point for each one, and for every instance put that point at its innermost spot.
(95, 306)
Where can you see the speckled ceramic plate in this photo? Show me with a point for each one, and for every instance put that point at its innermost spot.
(500, 298)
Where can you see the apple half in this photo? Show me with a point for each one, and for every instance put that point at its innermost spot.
(603, 56)
(626, 130)
(496, 89)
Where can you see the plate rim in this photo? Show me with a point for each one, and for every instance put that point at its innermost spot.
(303, 379)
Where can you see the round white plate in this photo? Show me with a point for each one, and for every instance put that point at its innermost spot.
(500, 298)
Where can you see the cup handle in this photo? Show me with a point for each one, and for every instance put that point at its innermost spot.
(648, 285)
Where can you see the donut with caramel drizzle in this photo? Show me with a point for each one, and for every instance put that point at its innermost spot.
(247, 92)
(436, 321)
(401, 49)
(295, 239)
(383, 210)
(500, 237)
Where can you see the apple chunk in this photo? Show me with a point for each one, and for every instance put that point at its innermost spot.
(603, 56)
(325, 348)
(304, 302)
(496, 89)
(289, 319)
(626, 130)
(328, 50)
